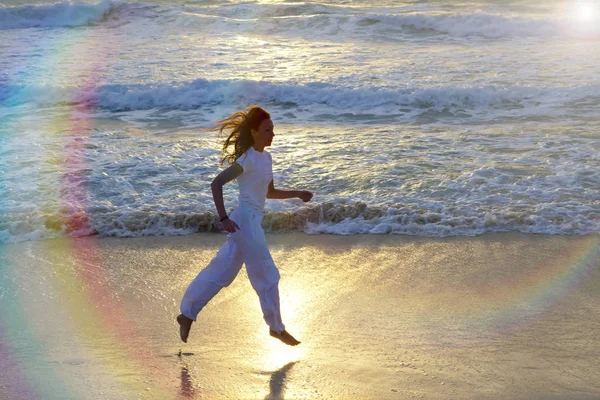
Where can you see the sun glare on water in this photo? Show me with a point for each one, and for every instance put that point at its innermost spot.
(581, 19)
(586, 12)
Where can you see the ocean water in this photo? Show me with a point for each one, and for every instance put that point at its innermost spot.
(428, 118)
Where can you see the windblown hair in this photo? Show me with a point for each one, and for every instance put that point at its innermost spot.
(238, 125)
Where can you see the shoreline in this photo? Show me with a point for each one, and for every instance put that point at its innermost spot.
(272, 235)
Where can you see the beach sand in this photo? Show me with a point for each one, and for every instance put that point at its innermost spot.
(500, 316)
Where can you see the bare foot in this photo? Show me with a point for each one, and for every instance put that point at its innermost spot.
(285, 337)
(185, 324)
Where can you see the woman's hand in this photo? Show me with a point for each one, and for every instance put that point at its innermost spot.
(305, 195)
(229, 225)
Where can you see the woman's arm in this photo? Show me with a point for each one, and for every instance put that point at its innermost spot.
(216, 186)
(273, 193)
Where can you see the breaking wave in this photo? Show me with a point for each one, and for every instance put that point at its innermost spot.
(329, 218)
(64, 14)
(323, 20)
(207, 93)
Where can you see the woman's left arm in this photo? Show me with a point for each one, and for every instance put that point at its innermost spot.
(273, 193)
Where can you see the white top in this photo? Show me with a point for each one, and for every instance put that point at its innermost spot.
(254, 181)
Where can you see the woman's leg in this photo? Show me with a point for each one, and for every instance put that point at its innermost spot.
(219, 273)
(263, 274)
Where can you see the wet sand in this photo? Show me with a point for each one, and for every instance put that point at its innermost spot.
(502, 316)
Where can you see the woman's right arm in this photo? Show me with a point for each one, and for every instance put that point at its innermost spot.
(216, 186)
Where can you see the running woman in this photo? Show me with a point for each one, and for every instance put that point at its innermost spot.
(249, 133)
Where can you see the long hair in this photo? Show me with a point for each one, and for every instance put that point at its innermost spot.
(238, 125)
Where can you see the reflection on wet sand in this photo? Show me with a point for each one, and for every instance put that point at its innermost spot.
(187, 390)
(187, 386)
(277, 382)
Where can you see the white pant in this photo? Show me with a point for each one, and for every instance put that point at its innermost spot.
(246, 245)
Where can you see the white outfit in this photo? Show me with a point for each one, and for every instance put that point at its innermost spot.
(246, 245)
